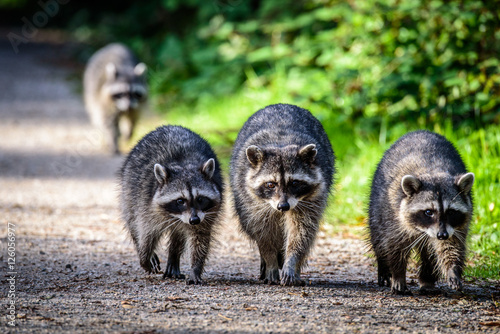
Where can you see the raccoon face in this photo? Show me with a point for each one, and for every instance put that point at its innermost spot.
(437, 206)
(126, 87)
(283, 176)
(187, 197)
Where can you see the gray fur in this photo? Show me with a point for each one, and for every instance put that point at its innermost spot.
(278, 144)
(420, 199)
(115, 92)
(171, 164)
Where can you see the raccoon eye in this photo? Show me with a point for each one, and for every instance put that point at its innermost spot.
(137, 95)
(204, 203)
(429, 213)
(455, 218)
(181, 201)
(270, 185)
(118, 96)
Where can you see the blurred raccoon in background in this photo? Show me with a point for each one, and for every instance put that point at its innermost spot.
(420, 199)
(115, 92)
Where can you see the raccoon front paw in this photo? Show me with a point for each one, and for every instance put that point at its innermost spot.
(455, 283)
(289, 278)
(292, 281)
(152, 266)
(400, 288)
(272, 277)
(384, 280)
(405, 292)
(155, 264)
(194, 279)
(173, 271)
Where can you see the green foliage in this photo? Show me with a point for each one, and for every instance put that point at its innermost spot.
(417, 61)
(9, 4)
(371, 61)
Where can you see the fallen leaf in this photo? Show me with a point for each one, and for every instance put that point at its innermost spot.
(127, 304)
(490, 323)
(43, 318)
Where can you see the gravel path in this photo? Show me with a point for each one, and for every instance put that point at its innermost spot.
(77, 271)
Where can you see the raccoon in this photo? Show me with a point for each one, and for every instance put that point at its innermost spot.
(281, 172)
(171, 185)
(420, 199)
(115, 92)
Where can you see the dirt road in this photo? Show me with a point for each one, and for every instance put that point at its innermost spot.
(77, 272)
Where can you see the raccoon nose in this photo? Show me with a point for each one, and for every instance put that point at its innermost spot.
(442, 235)
(283, 206)
(195, 220)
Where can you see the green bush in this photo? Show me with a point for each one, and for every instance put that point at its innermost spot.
(420, 62)
(373, 62)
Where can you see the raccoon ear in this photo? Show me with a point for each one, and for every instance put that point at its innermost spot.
(140, 69)
(208, 168)
(110, 71)
(308, 153)
(465, 182)
(161, 174)
(410, 184)
(254, 155)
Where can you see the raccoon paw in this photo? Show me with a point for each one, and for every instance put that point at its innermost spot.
(173, 271)
(155, 264)
(271, 282)
(152, 266)
(399, 287)
(384, 280)
(402, 292)
(455, 283)
(192, 279)
(292, 281)
(288, 278)
(272, 277)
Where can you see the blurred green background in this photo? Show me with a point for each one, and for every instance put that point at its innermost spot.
(370, 71)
